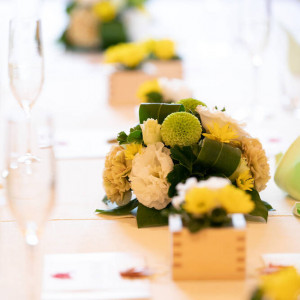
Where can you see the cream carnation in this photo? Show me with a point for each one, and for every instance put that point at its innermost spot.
(257, 161)
(174, 89)
(116, 170)
(149, 176)
(151, 132)
(83, 28)
(208, 118)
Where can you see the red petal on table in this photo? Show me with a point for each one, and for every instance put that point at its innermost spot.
(62, 276)
(135, 273)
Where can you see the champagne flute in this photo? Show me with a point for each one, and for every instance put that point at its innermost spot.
(30, 193)
(254, 31)
(26, 67)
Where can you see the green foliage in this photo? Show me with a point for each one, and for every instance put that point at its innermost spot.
(158, 111)
(112, 33)
(261, 207)
(258, 294)
(135, 136)
(177, 175)
(70, 7)
(136, 3)
(150, 217)
(154, 97)
(184, 155)
(219, 157)
(120, 210)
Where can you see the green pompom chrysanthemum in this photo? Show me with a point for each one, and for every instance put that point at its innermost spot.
(190, 104)
(181, 128)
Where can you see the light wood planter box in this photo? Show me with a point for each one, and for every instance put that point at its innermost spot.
(213, 253)
(123, 86)
(168, 68)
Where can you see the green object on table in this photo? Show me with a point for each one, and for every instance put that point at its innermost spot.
(296, 210)
(287, 175)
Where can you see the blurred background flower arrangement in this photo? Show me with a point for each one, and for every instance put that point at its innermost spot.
(97, 25)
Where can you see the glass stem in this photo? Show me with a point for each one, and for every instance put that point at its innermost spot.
(28, 120)
(33, 264)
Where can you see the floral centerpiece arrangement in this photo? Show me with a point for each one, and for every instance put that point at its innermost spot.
(163, 90)
(97, 24)
(175, 142)
(278, 283)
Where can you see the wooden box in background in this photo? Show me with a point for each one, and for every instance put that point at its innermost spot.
(124, 85)
(213, 253)
(168, 68)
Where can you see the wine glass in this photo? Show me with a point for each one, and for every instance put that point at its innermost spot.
(30, 192)
(26, 67)
(254, 32)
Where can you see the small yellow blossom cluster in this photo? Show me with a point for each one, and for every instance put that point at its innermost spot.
(202, 200)
(150, 86)
(162, 49)
(282, 284)
(105, 10)
(130, 55)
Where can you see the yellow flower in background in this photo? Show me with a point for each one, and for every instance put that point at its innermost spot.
(105, 11)
(199, 200)
(282, 285)
(132, 150)
(132, 55)
(149, 45)
(245, 181)
(148, 87)
(164, 49)
(224, 134)
(112, 54)
(234, 200)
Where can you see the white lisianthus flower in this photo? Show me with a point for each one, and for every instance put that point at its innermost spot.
(148, 176)
(151, 131)
(213, 183)
(214, 116)
(174, 89)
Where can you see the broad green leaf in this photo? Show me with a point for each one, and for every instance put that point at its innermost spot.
(120, 210)
(154, 97)
(260, 209)
(150, 217)
(184, 155)
(112, 33)
(178, 174)
(158, 111)
(219, 157)
(268, 205)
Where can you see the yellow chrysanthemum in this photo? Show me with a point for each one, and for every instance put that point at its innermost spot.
(282, 285)
(199, 200)
(245, 181)
(132, 150)
(148, 87)
(129, 55)
(149, 45)
(164, 49)
(224, 134)
(234, 200)
(105, 11)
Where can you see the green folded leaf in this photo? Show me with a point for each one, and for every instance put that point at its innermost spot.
(112, 33)
(178, 174)
(158, 111)
(150, 217)
(154, 97)
(260, 210)
(120, 210)
(184, 155)
(219, 157)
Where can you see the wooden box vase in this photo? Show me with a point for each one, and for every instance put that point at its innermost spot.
(123, 86)
(168, 68)
(212, 253)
